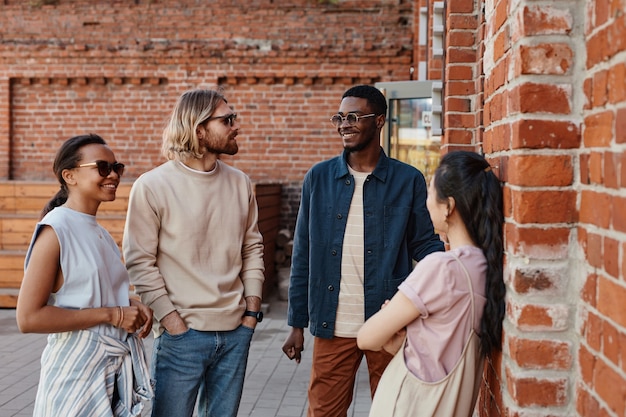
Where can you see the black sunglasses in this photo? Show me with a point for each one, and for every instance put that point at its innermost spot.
(105, 168)
(228, 119)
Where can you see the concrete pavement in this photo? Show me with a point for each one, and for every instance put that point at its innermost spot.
(274, 387)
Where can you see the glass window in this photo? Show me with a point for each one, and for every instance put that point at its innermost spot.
(410, 134)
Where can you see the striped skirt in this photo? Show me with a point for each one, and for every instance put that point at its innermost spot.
(87, 374)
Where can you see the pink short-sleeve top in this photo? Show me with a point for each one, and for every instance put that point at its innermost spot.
(439, 289)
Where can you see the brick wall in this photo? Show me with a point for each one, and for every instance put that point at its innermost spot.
(116, 69)
(532, 117)
(551, 76)
(434, 64)
(601, 353)
(463, 77)
(128, 113)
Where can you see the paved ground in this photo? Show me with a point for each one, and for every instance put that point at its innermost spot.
(274, 387)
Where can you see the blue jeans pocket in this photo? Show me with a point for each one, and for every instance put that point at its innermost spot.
(176, 336)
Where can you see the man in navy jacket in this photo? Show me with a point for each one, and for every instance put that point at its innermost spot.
(362, 223)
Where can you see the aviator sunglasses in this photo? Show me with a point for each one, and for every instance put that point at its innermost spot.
(105, 168)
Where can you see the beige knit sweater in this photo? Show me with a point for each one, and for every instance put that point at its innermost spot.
(192, 244)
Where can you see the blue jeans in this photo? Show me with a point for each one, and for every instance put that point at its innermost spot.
(208, 365)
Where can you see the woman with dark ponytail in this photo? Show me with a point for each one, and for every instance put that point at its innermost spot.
(447, 315)
(68, 157)
(76, 288)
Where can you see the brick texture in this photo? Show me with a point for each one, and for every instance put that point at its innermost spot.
(71, 67)
(538, 87)
(554, 116)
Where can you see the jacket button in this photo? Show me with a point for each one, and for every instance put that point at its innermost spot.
(348, 182)
(369, 251)
(324, 325)
(333, 252)
(339, 216)
(331, 288)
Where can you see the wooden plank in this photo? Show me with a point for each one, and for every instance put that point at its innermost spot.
(15, 241)
(11, 269)
(30, 204)
(7, 192)
(265, 189)
(16, 232)
(13, 259)
(11, 278)
(268, 200)
(8, 299)
(7, 188)
(269, 225)
(17, 223)
(119, 206)
(269, 213)
(31, 197)
(7, 205)
(41, 189)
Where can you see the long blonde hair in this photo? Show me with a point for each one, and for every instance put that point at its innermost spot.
(180, 141)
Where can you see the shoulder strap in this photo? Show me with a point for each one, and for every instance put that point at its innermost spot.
(471, 287)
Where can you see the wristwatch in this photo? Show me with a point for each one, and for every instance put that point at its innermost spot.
(258, 315)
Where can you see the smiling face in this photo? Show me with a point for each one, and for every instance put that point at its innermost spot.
(363, 134)
(86, 182)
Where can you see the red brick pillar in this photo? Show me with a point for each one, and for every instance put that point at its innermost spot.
(463, 77)
(532, 118)
(601, 362)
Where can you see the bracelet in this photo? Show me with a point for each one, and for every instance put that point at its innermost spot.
(121, 316)
(117, 317)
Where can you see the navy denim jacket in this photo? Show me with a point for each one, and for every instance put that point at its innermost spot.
(397, 226)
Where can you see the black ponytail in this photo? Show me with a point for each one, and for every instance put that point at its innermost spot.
(68, 156)
(468, 178)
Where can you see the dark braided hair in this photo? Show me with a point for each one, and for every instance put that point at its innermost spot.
(467, 177)
(68, 156)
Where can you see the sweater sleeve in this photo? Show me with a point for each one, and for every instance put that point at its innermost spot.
(140, 245)
(252, 249)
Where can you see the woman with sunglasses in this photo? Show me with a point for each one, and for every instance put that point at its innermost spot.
(76, 288)
(447, 315)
